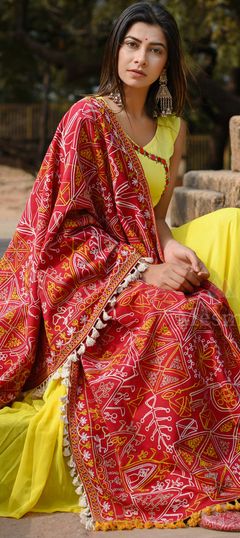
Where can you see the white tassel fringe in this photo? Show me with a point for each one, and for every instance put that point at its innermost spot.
(64, 374)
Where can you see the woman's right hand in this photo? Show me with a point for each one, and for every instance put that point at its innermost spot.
(172, 276)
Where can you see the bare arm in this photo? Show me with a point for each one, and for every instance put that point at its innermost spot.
(161, 209)
(182, 269)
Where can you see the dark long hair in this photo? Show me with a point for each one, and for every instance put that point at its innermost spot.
(176, 68)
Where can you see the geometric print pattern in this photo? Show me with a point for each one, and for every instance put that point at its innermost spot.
(153, 407)
(155, 421)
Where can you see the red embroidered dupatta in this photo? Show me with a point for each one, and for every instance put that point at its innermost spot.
(87, 222)
(153, 407)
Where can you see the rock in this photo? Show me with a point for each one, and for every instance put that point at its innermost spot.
(224, 181)
(204, 191)
(188, 204)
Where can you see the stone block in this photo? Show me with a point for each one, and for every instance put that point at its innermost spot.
(225, 181)
(204, 191)
(234, 126)
(188, 204)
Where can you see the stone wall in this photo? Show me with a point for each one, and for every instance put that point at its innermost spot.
(204, 191)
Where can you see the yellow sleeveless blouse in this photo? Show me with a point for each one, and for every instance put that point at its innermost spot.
(161, 145)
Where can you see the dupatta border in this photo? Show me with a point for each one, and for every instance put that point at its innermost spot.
(137, 164)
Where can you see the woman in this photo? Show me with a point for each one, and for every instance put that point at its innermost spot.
(105, 311)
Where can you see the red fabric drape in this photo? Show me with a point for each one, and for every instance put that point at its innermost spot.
(153, 406)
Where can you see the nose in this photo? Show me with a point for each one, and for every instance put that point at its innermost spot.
(141, 56)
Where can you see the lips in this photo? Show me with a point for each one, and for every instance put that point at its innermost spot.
(136, 72)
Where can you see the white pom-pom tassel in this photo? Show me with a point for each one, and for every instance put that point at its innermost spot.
(67, 364)
(64, 399)
(113, 301)
(72, 472)
(86, 518)
(65, 371)
(142, 267)
(73, 357)
(135, 273)
(94, 334)
(66, 382)
(105, 316)
(67, 452)
(81, 349)
(83, 501)
(89, 525)
(90, 341)
(56, 375)
(100, 325)
(71, 463)
(79, 490)
(87, 511)
(143, 264)
(76, 482)
(65, 441)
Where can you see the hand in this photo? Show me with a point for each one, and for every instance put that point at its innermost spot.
(175, 252)
(172, 276)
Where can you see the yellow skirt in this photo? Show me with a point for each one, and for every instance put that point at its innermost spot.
(34, 476)
(33, 472)
(216, 240)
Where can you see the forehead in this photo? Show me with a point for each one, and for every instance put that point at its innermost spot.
(149, 32)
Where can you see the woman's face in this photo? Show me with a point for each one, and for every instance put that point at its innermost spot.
(142, 55)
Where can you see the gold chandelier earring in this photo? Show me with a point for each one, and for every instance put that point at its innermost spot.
(163, 96)
(116, 97)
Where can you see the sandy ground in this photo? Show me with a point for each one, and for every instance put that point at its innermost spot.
(15, 185)
(68, 526)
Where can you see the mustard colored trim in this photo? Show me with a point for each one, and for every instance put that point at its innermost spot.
(192, 521)
(135, 524)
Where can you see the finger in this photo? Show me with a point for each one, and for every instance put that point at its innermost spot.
(203, 273)
(181, 283)
(202, 268)
(188, 274)
(186, 287)
(199, 267)
(193, 278)
(194, 260)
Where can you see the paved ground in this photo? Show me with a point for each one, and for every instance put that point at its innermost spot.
(14, 187)
(68, 526)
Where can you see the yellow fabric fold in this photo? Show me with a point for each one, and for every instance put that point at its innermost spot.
(33, 472)
(215, 239)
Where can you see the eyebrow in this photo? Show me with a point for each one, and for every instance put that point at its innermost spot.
(150, 43)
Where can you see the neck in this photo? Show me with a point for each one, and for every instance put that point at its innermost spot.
(135, 102)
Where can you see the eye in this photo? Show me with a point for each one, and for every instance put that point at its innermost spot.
(156, 51)
(131, 44)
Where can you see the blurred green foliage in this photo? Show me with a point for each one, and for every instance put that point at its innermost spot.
(66, 38)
